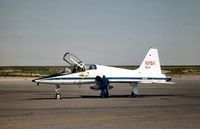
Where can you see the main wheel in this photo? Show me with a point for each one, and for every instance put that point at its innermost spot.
(133, 94)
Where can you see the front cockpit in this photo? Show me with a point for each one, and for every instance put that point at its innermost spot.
(75, 65)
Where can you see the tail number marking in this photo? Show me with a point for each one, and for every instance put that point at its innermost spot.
(148, 64)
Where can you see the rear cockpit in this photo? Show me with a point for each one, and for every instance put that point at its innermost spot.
(91, 67)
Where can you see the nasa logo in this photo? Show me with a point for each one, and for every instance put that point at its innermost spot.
(150, 63)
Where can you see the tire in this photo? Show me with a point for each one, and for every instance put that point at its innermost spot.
(58, 96)
(133, 94)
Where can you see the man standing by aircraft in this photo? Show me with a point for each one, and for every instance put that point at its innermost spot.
(105, 86)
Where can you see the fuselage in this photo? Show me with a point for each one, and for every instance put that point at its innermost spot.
(115, 75)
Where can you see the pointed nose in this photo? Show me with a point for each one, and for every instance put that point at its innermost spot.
(35, 81)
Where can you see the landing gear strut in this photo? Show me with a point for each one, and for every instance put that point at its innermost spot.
(135, 91)
(57, 90)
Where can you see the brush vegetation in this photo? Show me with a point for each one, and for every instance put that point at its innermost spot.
(28, 71)
(39, 71)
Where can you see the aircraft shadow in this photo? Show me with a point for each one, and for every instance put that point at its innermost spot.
(111, 96)
(129, 96)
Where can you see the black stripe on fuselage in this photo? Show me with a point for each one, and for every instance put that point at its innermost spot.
(110, 78)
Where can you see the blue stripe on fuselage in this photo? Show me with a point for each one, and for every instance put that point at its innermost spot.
(110, 78)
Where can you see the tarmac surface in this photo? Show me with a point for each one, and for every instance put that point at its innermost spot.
(24, 105)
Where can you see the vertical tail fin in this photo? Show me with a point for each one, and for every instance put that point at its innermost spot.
(151, 64)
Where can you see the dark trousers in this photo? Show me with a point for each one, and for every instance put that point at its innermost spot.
(104, 91)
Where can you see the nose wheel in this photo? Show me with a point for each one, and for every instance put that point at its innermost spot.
(58, 96)
(57, 90)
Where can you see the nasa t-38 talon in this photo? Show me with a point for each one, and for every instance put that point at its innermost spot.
(79, 73)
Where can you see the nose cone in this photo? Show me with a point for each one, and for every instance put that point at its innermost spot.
(38, 80)
(35, 81)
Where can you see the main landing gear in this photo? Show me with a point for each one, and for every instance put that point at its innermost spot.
(135, 91)
(57, 90)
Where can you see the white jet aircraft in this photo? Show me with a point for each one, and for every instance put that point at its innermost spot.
(79, 73)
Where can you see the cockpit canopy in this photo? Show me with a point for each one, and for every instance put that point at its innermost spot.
(74, 64)
(72, 60)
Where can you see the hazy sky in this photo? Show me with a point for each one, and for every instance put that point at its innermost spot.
(39, 32)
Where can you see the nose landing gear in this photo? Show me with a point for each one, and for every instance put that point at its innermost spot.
(57, 90)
